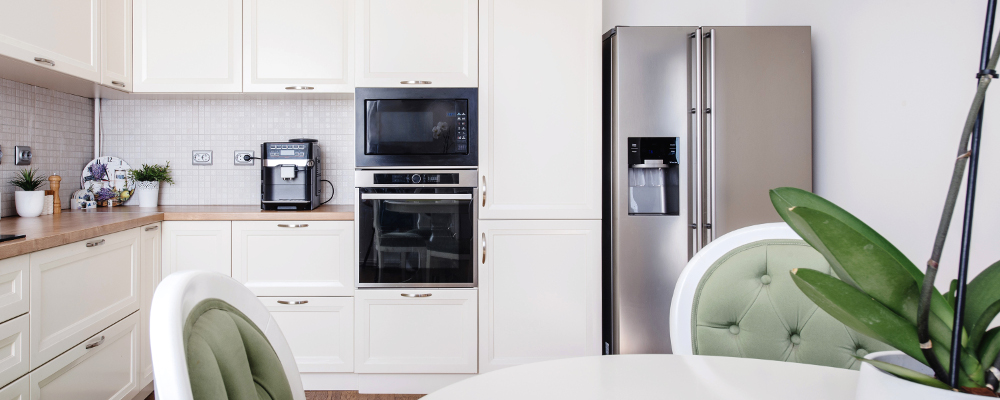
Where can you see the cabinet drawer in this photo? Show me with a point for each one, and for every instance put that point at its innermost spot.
(104, 371)
(16, 391)
(14, 348)
(102, 271)
(320, 330)
(13, 287)
(294, 258)
(197, 245)
(433, 333)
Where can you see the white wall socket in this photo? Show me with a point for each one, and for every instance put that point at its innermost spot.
(201, 157)
(240, 157)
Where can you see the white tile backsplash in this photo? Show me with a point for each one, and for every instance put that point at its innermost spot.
(58, 126)
(156, 131)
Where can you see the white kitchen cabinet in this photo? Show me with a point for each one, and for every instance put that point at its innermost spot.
(101, 368)
(415, 331)
(319, 330)
(198, 245)
(61, 35)
(13, 287)
(79, 289)
(539, 291)
(19, 390)
(150, 256)
(116, 45)
(422, 43)
(188, 45)
(294, 258)
(14, 347)
(540, 159)
(301, 45)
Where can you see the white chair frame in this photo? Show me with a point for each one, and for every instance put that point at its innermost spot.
(172, 303)
(687, 283)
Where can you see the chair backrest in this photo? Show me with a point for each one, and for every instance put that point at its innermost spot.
(736, 298)
(201, 303)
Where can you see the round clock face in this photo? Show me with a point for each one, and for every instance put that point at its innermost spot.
(108, 179)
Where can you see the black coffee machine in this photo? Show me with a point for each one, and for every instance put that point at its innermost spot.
(290, 175)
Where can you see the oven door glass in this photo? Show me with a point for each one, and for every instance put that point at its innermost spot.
(416, 127)
(416, 237)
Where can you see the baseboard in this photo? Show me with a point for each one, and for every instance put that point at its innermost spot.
(406, 383)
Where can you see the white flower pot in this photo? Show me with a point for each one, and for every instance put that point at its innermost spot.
(874, 384)
(29, 204)
(149, 193)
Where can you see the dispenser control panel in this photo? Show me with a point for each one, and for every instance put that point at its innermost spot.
(652, 150)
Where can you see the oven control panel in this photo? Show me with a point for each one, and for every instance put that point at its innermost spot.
(415, 179)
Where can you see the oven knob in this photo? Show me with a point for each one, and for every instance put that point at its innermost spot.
(415, 178)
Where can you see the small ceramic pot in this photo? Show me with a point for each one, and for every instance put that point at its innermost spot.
(149, 193)
(875, 384)
(29, 204)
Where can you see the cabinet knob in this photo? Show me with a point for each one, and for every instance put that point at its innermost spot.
(95, 244)
(293, 225)
(297, 302)
(415, 82)
(118, 83)
(95, 344)
(152, 228)
(482, 191)
(484, 247)
(415, 295)
(299, 88)
(45, 61)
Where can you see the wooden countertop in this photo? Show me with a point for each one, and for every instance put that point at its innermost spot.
(70, 226)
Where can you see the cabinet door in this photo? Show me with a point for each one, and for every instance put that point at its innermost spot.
(545, 275)
(320, 330)
(425, 43)
(300, 45)
(79, 289)
(415, 331)
(101, 368)
(19, 390)
(540, 159)
(116, 45)
(61, 35)
(14, 347)
(188, 45)
(13, 286)
(200, 245)
(295, 258)
(150, 240)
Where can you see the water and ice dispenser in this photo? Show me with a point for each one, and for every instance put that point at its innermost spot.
(653, 176)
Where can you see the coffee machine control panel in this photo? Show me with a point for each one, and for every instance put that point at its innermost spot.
(287, 151)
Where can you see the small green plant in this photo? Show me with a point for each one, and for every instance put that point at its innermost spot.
(27, 179)
(152, 173)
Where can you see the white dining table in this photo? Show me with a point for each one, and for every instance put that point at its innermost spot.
(656, 376)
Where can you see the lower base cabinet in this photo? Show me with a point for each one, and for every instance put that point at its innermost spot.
(14, 348)
(320, 330)
(17, 390)
(415, 331)
(101, 368)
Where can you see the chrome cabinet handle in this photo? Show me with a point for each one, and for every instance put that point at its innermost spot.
(152, 228)
(415, 82)
(482, 191)
(299, 88)
(484, 247)
(118, 83)
(293, 302)
(95, 244)
(293, 225)
(45, 61)
(415, 295)
(95, 344)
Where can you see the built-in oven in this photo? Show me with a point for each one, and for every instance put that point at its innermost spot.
(434, 127)
(416, 228)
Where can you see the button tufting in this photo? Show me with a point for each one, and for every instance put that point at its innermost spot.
(734, 329)
(861, 352)
(796, 339)
(765, 279)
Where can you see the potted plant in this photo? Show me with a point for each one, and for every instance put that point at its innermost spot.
(148, 180)
(29, 201)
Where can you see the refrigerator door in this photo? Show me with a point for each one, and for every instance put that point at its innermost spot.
(758, 132)
(650, 74)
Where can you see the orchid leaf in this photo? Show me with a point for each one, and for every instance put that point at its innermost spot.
(989, 347)
(980, 294)
(980, 326)
(907, 374)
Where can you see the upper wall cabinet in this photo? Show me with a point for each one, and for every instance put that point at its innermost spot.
(62, 35)
(424, 43)
(116, 44)
(299, 45)
(188, 45)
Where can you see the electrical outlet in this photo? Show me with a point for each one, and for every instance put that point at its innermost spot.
(201, 157)
(22, 155)
(240, 157)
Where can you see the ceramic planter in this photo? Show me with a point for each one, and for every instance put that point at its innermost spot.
(874, 384)
(149, 193)
(29, 204)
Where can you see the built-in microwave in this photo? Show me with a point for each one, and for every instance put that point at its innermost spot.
(425, 128)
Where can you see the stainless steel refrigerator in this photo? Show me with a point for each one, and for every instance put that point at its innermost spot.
(699, 123)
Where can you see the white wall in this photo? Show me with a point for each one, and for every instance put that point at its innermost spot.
(674, 12)
(892, 83)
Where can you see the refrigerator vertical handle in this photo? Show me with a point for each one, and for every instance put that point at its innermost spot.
(709, 142)
(695, 165)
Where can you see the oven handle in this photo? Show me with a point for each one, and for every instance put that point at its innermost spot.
(415, 196)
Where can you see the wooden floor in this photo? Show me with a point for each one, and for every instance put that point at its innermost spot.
(347, 395)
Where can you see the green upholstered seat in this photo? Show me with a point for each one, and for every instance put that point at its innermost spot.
(747, 305)
(229, 357)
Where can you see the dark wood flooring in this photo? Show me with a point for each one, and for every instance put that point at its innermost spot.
(347, 395)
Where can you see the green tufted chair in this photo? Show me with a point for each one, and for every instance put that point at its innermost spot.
(735, 298)
(211, 338)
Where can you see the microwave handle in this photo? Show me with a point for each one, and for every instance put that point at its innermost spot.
(415, 196)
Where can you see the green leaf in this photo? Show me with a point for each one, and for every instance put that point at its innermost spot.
(950, 296)
(980, 294)
(786, 198)
(989, 348)
(908, 374)
(979, 327)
